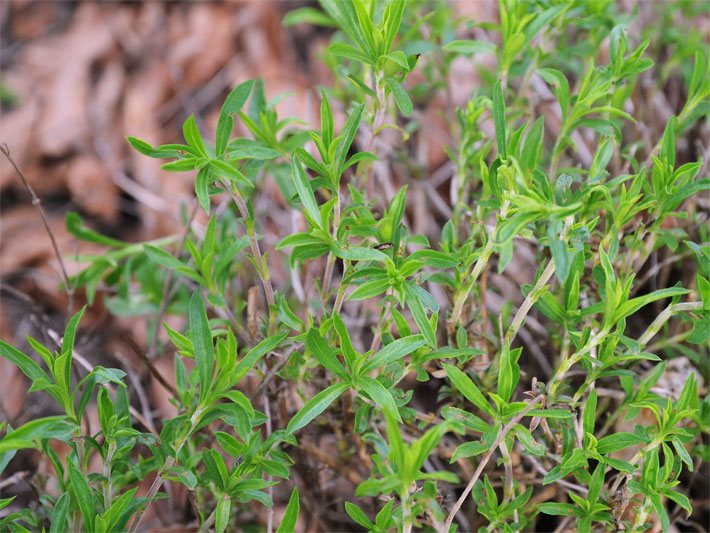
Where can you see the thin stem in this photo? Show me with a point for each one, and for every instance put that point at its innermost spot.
(262, 272)
(530, 300)
(108, 496)
(328, 276)
(650, 332)
(509, 476)
(379, 108)
(407, 513)
(484, 461)
(381, 325)
(207, 524)
(270, 510)
(38, 204)
(169, 463)
(568, 362)
(481, 262)
(664, 317)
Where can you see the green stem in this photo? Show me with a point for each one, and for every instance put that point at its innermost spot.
(108, 492)
(532, 297)
(478, 267)
(568, 362)
(487, 457)
(381, 326)
(169, 463)
(407, 518)
(261, 269)
(328, 276)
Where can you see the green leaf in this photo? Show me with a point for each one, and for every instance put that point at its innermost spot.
(232, 105)
(391, 20)
(145, 148)
(350, 52)
(508, 372)
(618, 441)
(358, 516)
(526, 438)
(630, 307)
(326, 120)
(557, 509)
(470, 47)
(192, 135)
(414, 304)
(224, 506)
(681, 499)
(532, 148)
(316, 406)
(559, 414)
(469, 420)
(49, 427)
(247, 362)
(288, 523)
(590, 412)
(250, 149)
(121, 510)
(499, 120)
(358, 253)
(305, 193)
(344, 14)
(394, 351)
(660, 510)
(185, 476)
(682, 452)
(307, 15)
(510, 227)
(25, 363)
(346, 347)
(466, 387)
(560, 254)
(596, 483)
(201, 337)
(70, 331)
(369, 289)
(379, 394)
(229, 443)
(58, 522)
(162, 257)
(347, 135)
(226, 170)
(469, 449)
(325, 355)
(401, 98)
(183, 165)
(556, 78)
(78, 229)
(84, 497)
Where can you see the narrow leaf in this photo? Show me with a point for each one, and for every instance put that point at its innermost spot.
(316, 406)
(201, 337)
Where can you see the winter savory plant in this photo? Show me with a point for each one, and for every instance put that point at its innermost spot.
(550, 411)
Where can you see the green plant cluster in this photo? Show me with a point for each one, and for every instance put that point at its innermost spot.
(592, 222)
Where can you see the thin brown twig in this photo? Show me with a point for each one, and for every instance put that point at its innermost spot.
(36, 202)
(14, 478)
(151, 367)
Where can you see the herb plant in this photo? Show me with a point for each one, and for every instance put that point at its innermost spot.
(549, 411)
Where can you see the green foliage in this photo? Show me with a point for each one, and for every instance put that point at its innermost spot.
(575, 187)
